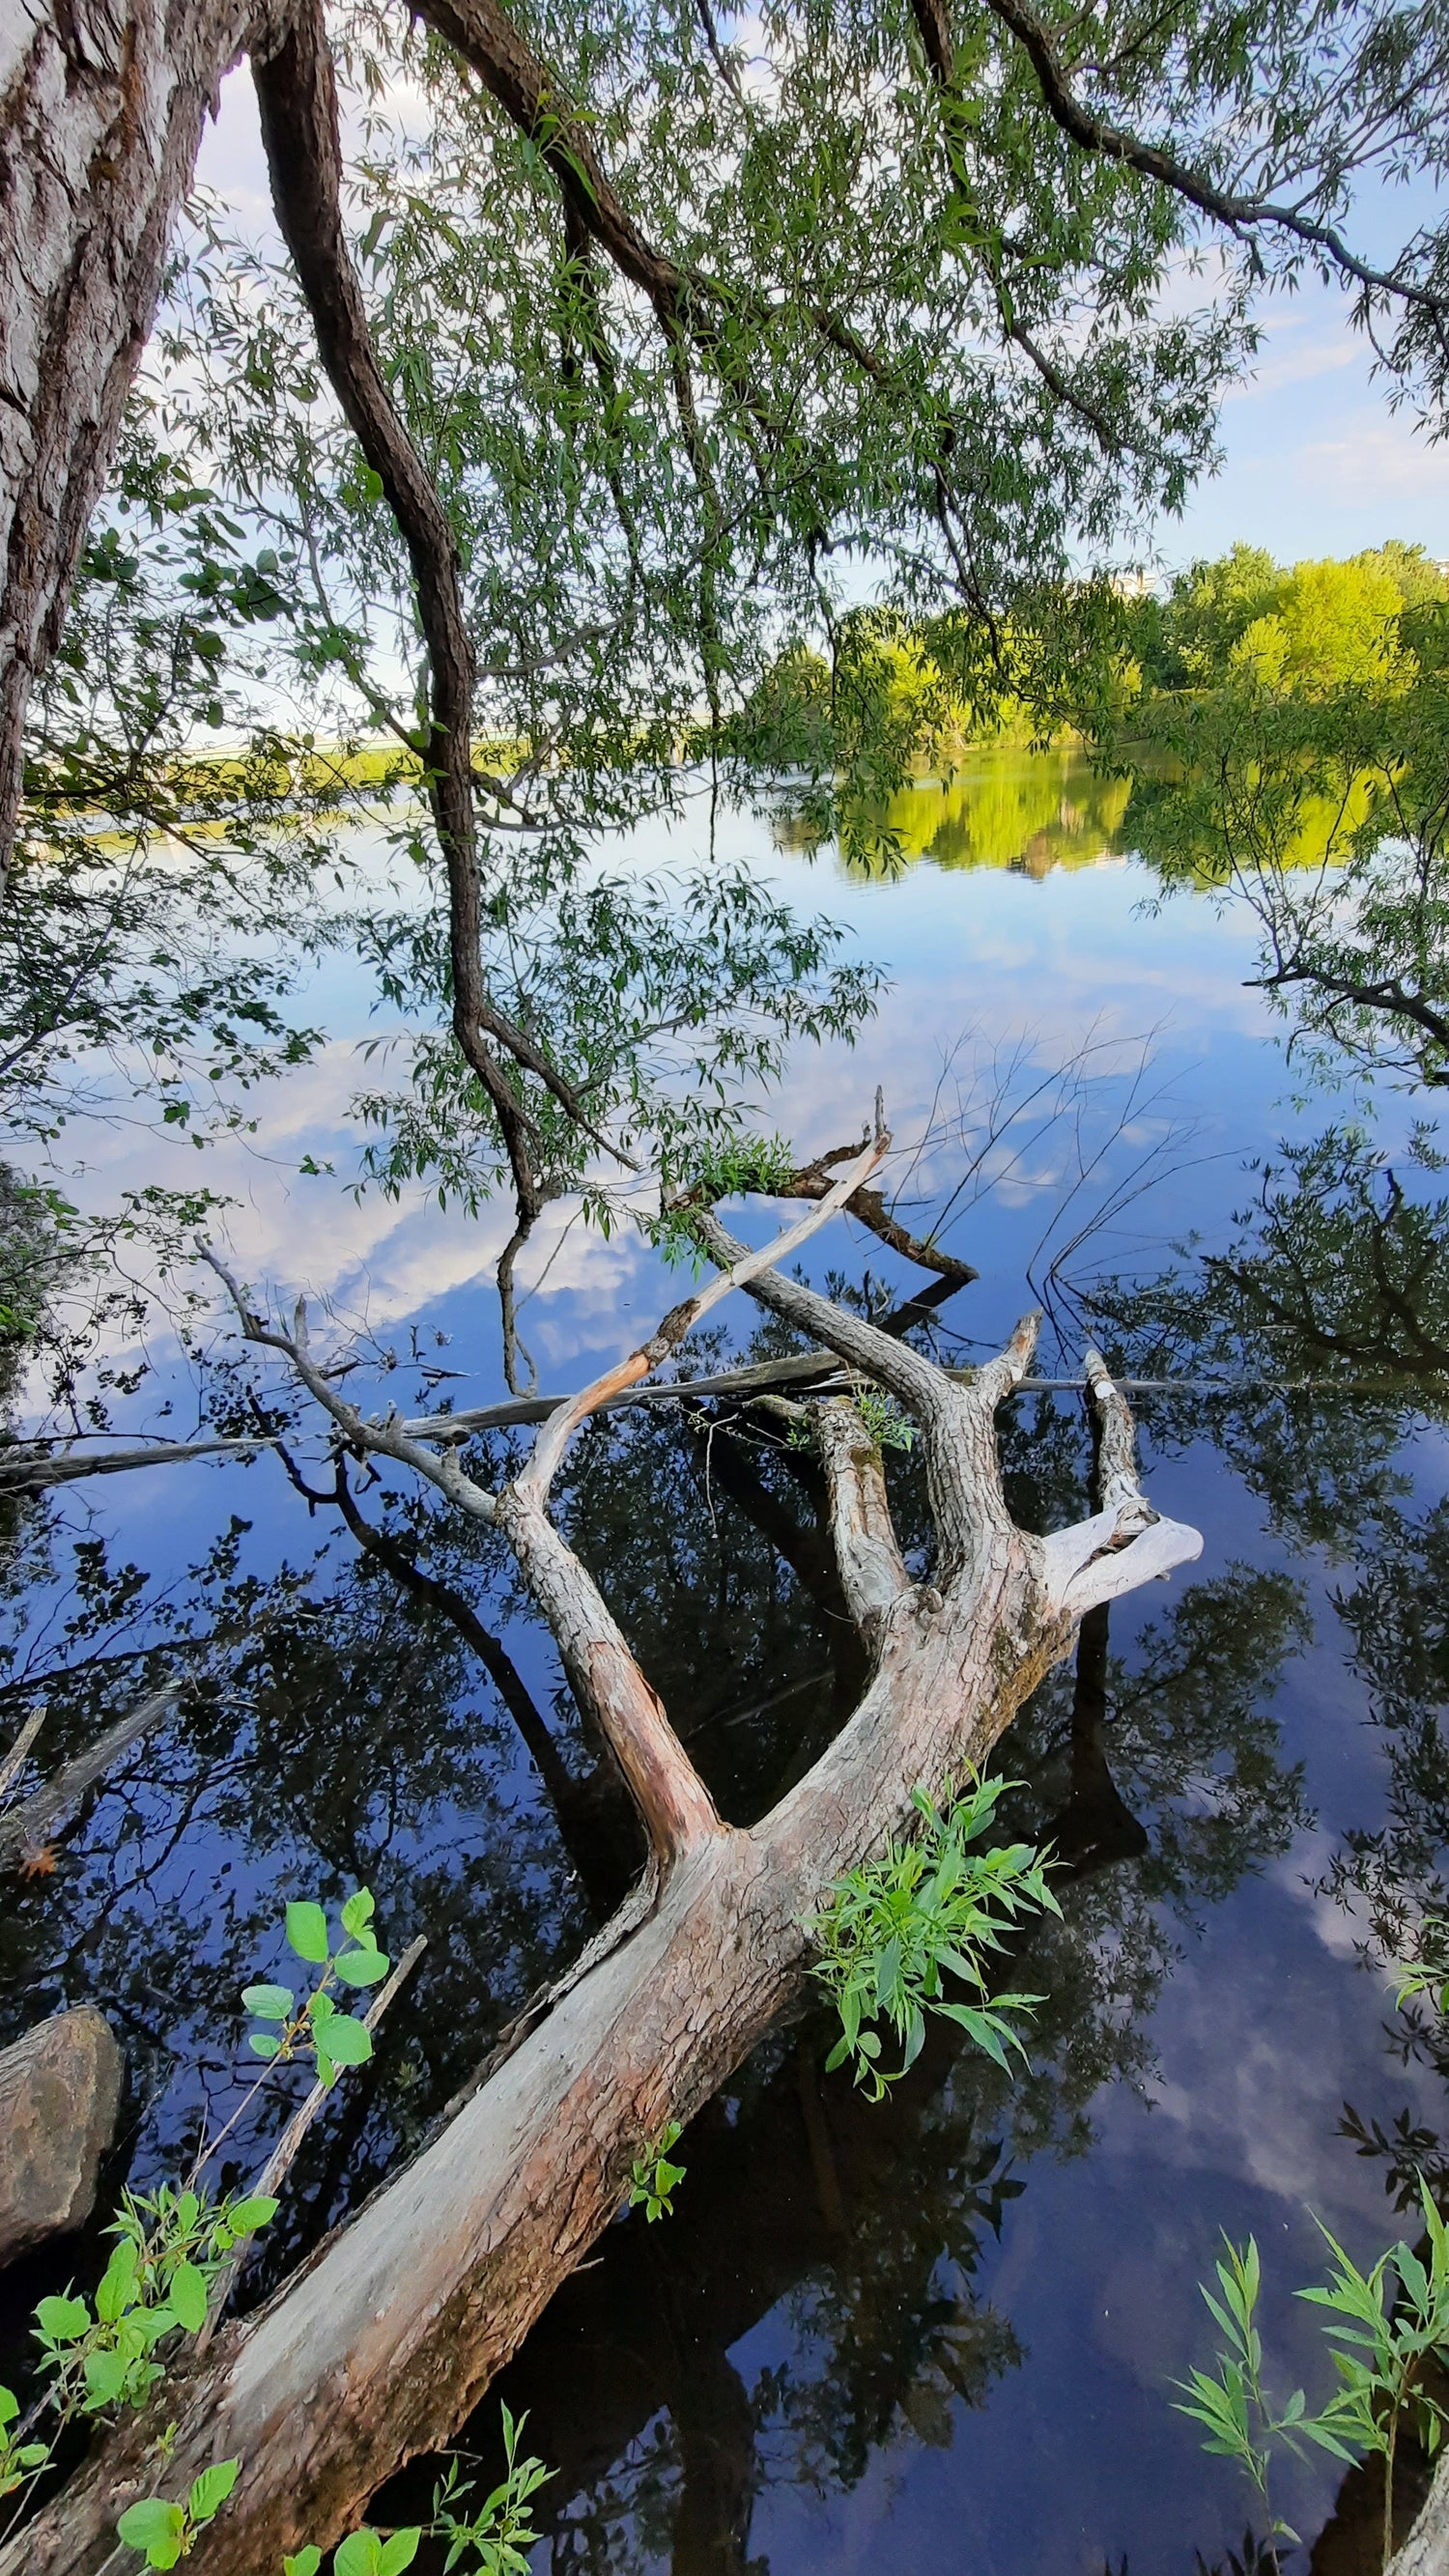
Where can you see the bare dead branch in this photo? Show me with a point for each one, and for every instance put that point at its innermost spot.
(811, 1182)
(1125, 1543)
(681, 1320)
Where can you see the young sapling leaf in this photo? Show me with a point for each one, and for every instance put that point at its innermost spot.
(307, 1932)
(209, 2492)
(269, 2003)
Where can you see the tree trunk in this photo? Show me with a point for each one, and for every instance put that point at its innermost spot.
(101, 109)
(382, 2345)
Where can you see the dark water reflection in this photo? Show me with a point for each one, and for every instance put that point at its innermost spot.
(940, 2332)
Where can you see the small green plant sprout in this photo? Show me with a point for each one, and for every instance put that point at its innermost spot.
(891, 1930)
(162, 2533)
(176, 2246)
(654, 2178)
(20, 2461)
(1388, 2323)
(1232, 2404)
(499, 2536)
(301, 2562)
(316, 2025)
(889, 1428)
(170, 2246)
(367, 2553)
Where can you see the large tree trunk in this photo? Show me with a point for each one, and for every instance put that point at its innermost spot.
(387, 2339)
(101, 108)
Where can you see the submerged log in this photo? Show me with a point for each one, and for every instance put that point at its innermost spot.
(387, 2339)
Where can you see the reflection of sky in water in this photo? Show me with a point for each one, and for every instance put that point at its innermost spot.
(1267, 2024)
(983, 964)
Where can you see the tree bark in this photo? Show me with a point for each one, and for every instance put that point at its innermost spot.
(387, 2339)
(101, 110)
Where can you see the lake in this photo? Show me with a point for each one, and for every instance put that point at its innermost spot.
(942, 2332)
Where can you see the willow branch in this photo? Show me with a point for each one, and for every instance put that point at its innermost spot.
(1239, 213)
(297, 97)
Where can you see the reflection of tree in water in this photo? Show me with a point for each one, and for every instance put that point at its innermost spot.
(1340, 1274)
(1030, 812)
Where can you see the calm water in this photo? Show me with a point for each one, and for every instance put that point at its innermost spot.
(940, 2333)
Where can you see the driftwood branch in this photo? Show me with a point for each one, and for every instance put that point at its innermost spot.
(1126, 1542)
(872, 1570)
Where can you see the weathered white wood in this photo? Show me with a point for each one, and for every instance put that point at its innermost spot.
(872, 1570)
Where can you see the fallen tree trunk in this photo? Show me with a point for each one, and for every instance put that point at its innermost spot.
(385, 2341)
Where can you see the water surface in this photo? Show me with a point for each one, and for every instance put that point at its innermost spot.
(942, 2332)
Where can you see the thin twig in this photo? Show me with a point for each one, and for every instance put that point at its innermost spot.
(284, 2154)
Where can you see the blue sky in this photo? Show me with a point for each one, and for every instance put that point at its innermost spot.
(1315, 463)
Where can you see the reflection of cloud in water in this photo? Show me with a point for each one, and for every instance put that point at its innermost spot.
(1258, 2049)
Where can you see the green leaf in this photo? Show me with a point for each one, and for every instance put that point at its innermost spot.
(307, 1932)
(357, 1913)
(106, 2374)
(265, 2042)
(210, 2491)
(348, 2044)
(302, 2562)
(150, 2523)
(186, 2297)
(116, 2289)
(362, 1967)
(63, 2320)
(244, 2217)
(358, 2555)
(398, 2552)
(269, 2003)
